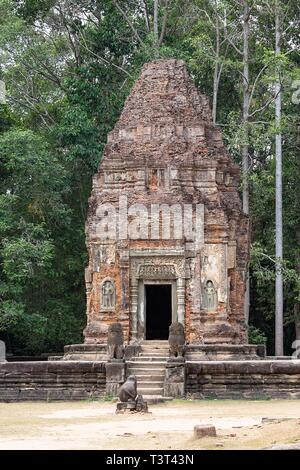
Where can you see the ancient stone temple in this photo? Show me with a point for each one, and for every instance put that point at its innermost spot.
(166, 235)
(168, 252)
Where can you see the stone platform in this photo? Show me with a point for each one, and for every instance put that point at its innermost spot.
(51, 381)
(85, 352)
(262, 379)
(79, 380)
(224, 352)
(158, 349)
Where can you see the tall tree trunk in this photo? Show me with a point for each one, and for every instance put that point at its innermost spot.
(297, 209)
(245, 147)
(155, 22)
(146, 16)
(297, 263)
(278, 156)
(216, 71)
(297, 303)
(278, 198)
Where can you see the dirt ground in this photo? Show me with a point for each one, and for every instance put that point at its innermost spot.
(94, 425)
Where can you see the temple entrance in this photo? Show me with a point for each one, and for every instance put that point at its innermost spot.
(158, 310)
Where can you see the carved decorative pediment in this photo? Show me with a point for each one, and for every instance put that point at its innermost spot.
(163, 271)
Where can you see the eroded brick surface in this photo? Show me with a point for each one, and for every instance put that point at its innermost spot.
(165, 150)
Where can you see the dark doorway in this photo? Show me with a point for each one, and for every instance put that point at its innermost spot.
(158, 311)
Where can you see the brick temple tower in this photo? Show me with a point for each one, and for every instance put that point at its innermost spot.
(166, 235)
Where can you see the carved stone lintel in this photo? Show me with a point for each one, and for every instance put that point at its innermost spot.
(150, 271)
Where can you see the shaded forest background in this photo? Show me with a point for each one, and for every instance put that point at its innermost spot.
(68, 67)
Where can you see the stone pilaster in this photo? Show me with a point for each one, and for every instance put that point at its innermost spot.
(115, 376)
(174, 384)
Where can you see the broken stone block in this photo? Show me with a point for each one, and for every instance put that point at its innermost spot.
(204, 430)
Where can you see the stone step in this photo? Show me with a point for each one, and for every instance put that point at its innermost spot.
(143, 358)
(150, 384)
(155, 341)
(146, 357)
(154, 354)
(146, 370)
(154, 399)
(146, 364)
(163, 352)
(153, 375)
(143, 372)
(151, 391)
(141, 379)
(154, 348)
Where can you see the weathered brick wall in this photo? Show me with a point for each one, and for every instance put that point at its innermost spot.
(74, 380)
(243, 379)
(57, 380)
(165, 150)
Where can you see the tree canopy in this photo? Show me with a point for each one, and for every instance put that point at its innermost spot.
(68, 67)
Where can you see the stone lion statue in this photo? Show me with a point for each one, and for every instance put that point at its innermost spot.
(176, 340)
(115, 341)
(128, 391)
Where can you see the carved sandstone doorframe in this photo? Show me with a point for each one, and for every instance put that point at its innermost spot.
(141, 320)
(158, 274)
(155, 265)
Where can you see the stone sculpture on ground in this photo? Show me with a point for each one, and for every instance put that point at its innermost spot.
(129, 400)
(128, 391)
(115, 341)
(176, 340)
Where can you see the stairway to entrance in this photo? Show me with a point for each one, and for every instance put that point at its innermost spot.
(149, 368)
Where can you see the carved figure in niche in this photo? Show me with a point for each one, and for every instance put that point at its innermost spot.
(210, 296)
(115, 341)
(108, 294)
(128, 391)
(176, 340)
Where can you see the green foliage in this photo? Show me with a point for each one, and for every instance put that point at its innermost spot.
(68, 68)
(256, 336)
(10, 313)
(26, 258)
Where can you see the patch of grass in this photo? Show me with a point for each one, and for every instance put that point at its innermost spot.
(110, 398)
(259, 397)
(93, 399)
